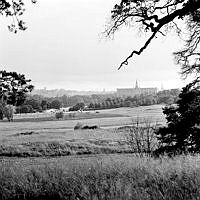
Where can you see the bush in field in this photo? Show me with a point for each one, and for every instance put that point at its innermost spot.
(78, 126)
(82, 126)
(59, 115)
(141, 137)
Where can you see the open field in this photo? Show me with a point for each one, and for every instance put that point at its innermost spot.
(102, 118)
(49, 160)
(57, 137)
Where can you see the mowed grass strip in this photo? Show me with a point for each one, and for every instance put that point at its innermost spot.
(96, 178)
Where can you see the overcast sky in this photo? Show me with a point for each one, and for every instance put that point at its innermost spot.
(63, 48)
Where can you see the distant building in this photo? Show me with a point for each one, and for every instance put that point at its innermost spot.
(135, 91)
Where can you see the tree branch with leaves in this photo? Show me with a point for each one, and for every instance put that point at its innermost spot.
(13, 88)
(14, 9)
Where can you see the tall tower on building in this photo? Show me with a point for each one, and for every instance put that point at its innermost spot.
(136, 85)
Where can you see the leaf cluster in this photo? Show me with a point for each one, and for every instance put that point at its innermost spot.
(13, 88)
(14, 9)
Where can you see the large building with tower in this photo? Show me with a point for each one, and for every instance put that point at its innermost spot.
(135, 91)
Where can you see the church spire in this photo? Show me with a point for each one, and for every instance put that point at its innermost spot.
(136, 85)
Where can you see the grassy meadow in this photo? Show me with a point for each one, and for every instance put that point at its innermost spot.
(27, 137)
(43, 158)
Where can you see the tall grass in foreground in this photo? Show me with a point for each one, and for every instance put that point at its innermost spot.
(138, 178)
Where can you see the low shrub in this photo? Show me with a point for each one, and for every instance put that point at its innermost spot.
(90, 127)
(82, 126)
(59, 115)
(78, 126)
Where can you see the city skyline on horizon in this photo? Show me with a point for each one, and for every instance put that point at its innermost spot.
(141, 84)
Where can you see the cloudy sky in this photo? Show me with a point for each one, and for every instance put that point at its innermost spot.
(63, 47)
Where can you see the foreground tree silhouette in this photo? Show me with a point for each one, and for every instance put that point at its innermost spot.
(158, 17)
(183, 123)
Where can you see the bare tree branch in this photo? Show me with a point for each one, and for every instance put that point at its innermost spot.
(125, 62)
(153, 16)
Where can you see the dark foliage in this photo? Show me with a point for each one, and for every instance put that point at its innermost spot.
(78, 106)
(25, 109)
(59, 115)
(162, 97)
(55, 104)
(90, 127)
(13, 88)
(183, 122)
(108, 101)
(34, 104)
(14, 9)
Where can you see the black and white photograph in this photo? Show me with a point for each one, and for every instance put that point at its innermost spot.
(100, 100)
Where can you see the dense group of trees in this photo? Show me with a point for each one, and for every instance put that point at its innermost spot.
(162, 97)
(38, 103)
